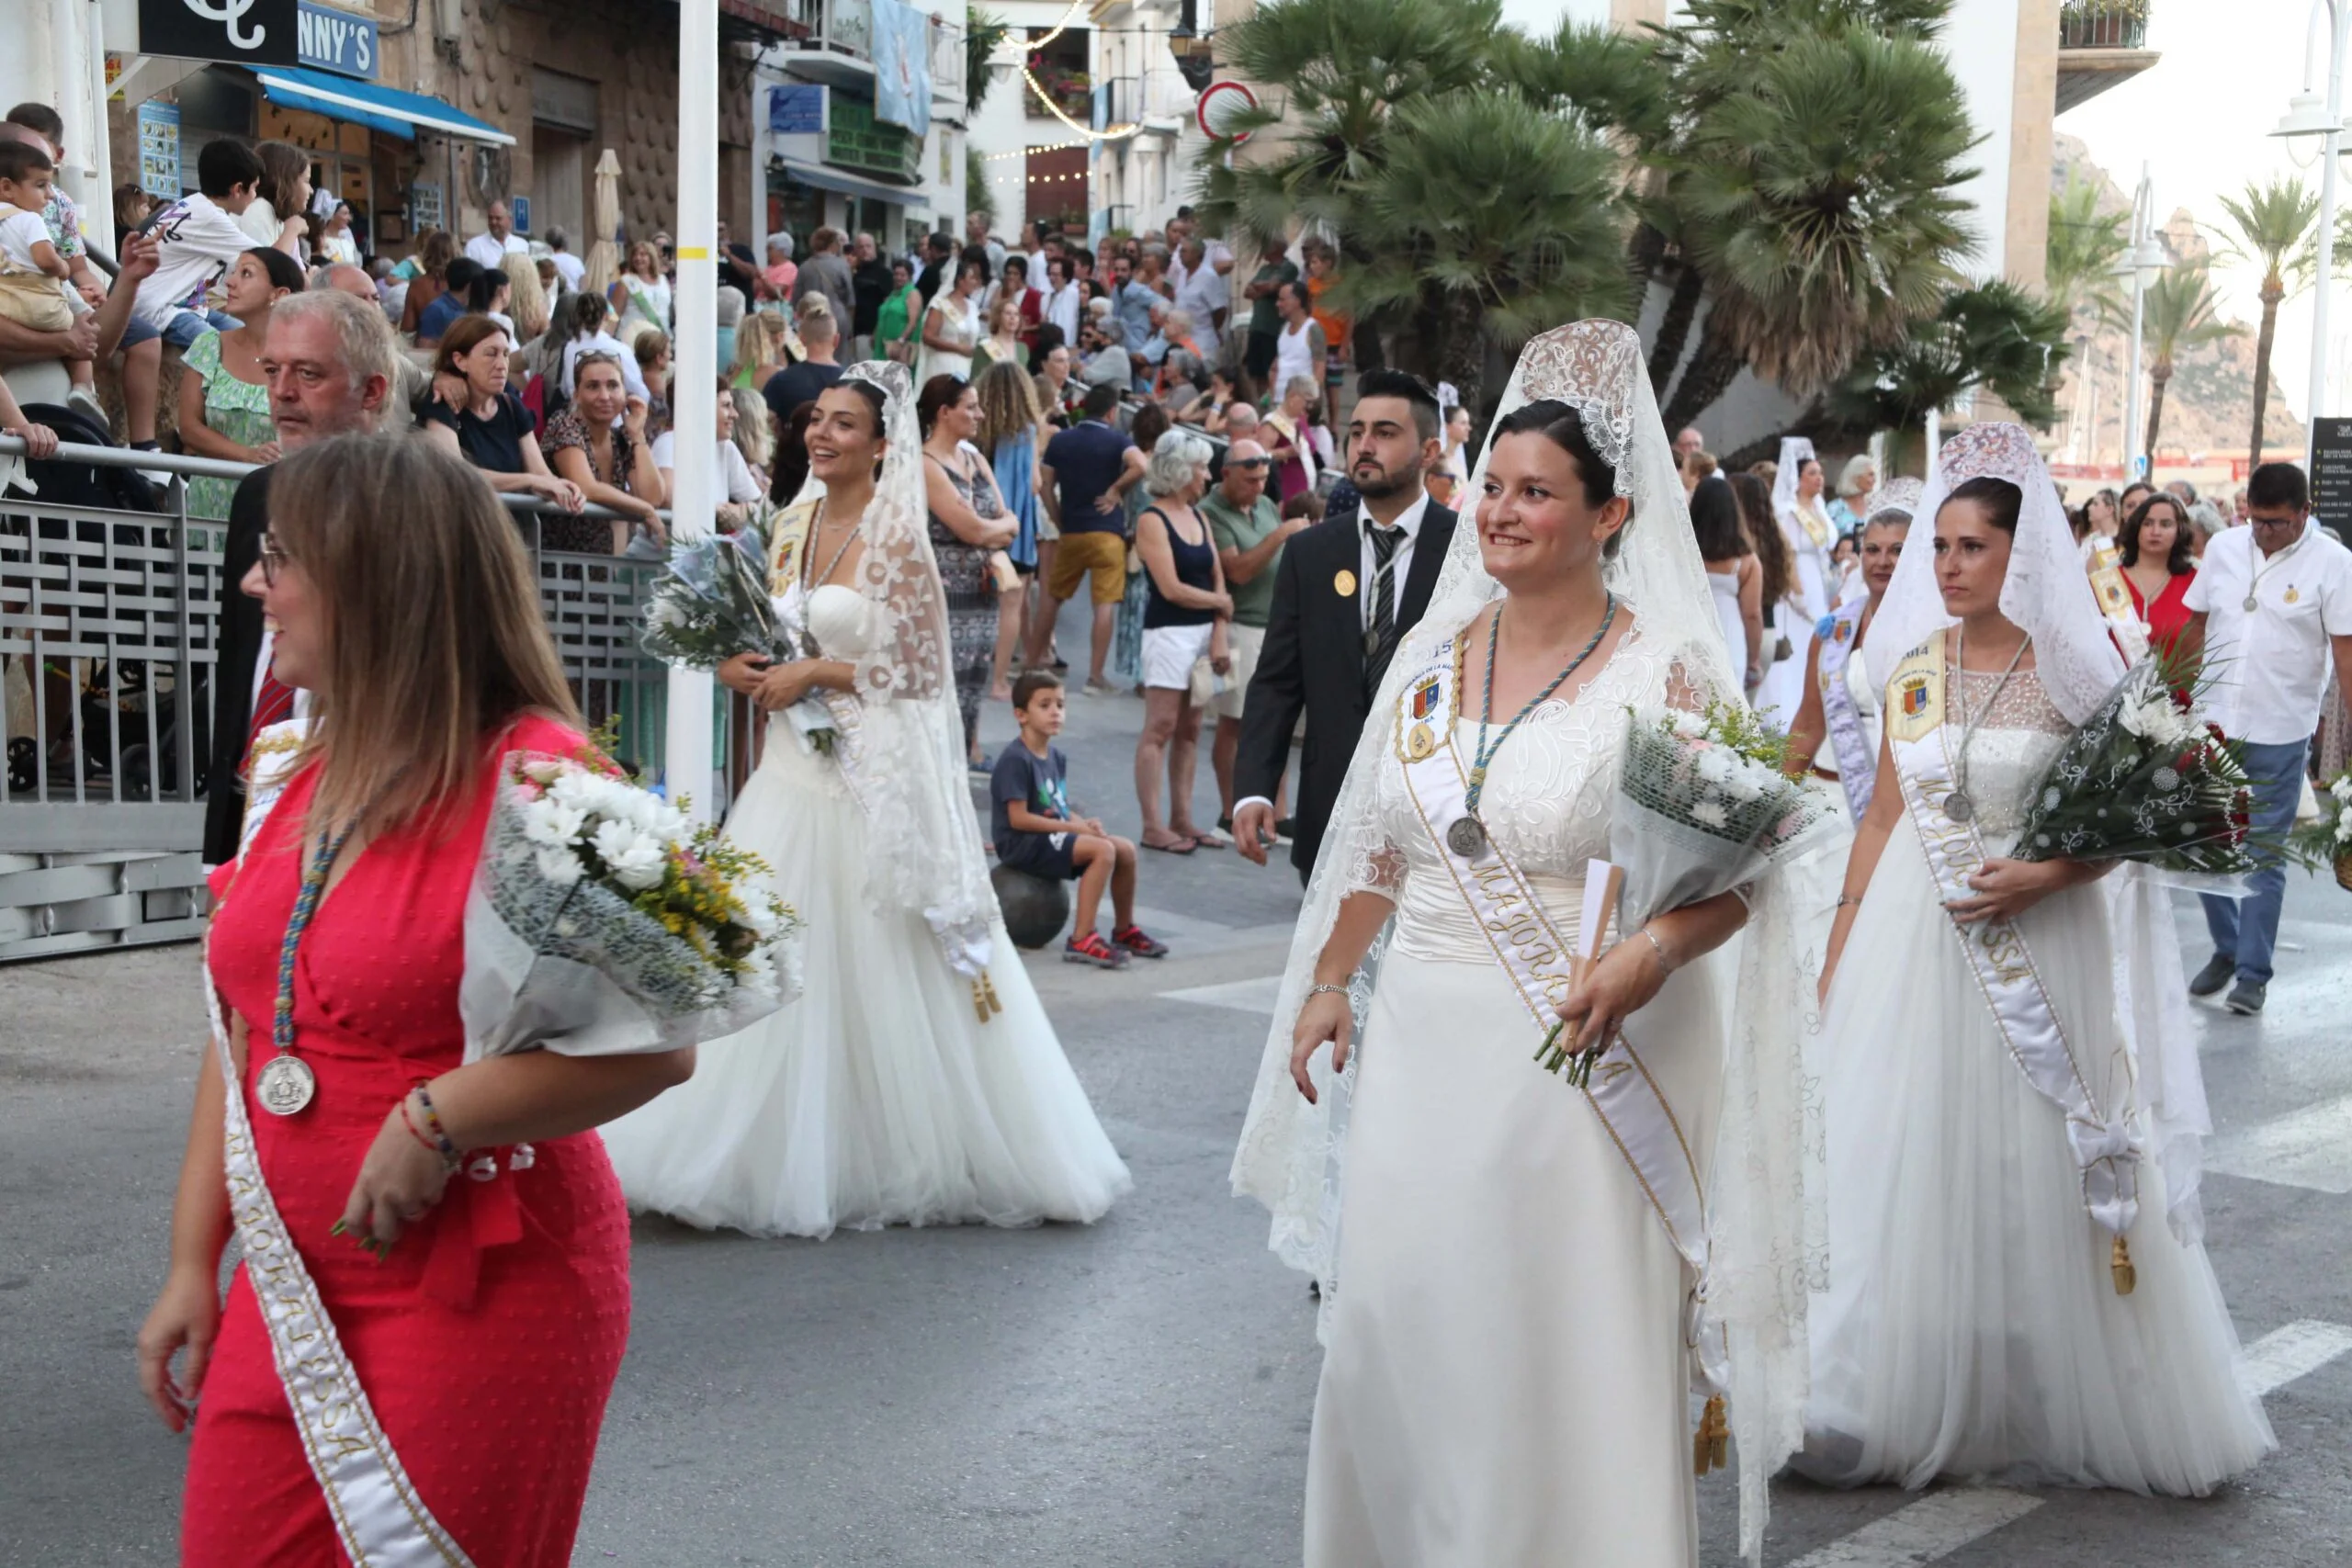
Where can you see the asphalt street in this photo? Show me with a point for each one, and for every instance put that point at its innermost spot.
(1137, 1393)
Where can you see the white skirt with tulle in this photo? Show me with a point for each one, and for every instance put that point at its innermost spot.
(878, 1097)
(1972, 1326)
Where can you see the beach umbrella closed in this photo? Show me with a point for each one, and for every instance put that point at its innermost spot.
(604, 256)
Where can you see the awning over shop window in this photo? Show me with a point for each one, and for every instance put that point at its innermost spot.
(824, 178)
(363, 103)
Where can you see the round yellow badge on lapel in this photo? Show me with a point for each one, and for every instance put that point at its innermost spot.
(1344, 583)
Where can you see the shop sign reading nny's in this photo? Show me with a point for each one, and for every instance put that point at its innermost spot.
(239, 32)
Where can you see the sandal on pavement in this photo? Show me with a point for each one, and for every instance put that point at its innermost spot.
(1179, 846)
(1134, 940)
(1211, 841)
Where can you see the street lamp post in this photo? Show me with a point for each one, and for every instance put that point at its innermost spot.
(2145, 258)
(2308, 114)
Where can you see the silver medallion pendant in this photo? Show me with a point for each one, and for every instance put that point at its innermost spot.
(1466, 838)
(1958, 806)
(2250, 603)
(287, 1086)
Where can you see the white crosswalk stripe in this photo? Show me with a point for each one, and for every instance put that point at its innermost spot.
(1933, 1527)
(1257, 996)
(1941, 1523)
(2310, 1147)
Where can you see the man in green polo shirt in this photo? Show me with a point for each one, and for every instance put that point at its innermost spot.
(1249, 532)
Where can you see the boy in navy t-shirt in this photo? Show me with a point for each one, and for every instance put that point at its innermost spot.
(1035, 831)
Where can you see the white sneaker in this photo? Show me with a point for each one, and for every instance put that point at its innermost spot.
(88, 401)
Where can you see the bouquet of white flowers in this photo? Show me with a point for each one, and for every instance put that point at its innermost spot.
(601, 923)
(711, 603)
(1703, 807)
(2150, 778)
(2327, 840)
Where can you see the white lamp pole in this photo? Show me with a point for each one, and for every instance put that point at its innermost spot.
(693, 411)
(2308, 114)
(2145, 257)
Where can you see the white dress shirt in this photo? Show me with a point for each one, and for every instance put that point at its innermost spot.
(2270, 664)
(1400, 564)
(1062, 307)
(487, 252)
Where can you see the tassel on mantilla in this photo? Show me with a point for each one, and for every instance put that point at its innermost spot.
(984, 1001)
(1711, 1445)
(2119, 1264)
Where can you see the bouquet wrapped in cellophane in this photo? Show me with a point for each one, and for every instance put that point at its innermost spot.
(711, 603)
(603, 923)
(1703, 807)
(2147, 778)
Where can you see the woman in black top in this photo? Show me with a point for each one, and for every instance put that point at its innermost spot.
(968, 525)
(1184, 615)
(471, 411)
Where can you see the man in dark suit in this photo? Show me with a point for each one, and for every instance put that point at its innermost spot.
(331, 362)
(1347, 592)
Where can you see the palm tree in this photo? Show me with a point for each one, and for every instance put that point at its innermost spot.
(1995, 337)
(2273, 223)
(1336, 68)
(1820, 198)
(2084, 245)
(2179, 312)
(1490, 221)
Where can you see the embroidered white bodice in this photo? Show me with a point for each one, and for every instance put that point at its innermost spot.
(2015, 741)
(1546, 804)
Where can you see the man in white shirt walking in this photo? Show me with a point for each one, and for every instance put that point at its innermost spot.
(569, 268)
(491, 250)
(2271, 608)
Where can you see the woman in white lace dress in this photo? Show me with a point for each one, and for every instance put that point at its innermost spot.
(1508, 1341)
(2013, 1099)
(918, 1080)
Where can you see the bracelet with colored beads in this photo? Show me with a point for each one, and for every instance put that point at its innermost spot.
(431, 1135)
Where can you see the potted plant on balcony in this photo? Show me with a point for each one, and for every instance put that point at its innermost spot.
(2102, 24)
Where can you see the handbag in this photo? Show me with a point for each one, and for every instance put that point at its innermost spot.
(1784, 650)
(1206, 685)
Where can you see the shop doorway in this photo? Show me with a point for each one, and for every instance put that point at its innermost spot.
(560, 184)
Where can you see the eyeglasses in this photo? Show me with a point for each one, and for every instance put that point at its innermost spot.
(273, 556)
(1247, 462)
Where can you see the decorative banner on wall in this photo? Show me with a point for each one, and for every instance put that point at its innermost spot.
(337, 41)
(240, 32)
(903, 65)
(159, 150)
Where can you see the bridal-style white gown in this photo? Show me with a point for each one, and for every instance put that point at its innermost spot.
(878, 1097)
(1972, 1326)
(1505, 1383)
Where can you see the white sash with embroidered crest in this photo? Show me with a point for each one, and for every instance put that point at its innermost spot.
(2106, 1144)
(1538, 959)
(378, 1516)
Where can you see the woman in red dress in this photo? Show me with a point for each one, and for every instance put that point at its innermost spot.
(2159, 565)
(457, 1227)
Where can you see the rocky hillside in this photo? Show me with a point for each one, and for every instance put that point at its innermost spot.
(2209, 407)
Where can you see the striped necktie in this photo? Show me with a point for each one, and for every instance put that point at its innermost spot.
(1380, 640)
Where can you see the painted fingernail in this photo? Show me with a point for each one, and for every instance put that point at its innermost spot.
(340, 1226)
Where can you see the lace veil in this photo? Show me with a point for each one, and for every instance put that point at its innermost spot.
(1292, 1154)
(1895, 495)
(2048, 592)
(924, 850)
(1796, 451)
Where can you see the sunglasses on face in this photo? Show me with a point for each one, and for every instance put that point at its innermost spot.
(1245, 462)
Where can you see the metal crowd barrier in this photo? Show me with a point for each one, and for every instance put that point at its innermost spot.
(106, 647)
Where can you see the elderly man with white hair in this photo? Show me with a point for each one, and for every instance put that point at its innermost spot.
(1204, 293)
(332, 364)
(1249, 532)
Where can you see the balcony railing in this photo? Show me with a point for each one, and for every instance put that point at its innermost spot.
(946, 65)
(2100, 44)
(2103, 24)
(836, 27)
(857, 140)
